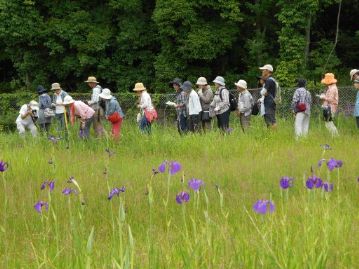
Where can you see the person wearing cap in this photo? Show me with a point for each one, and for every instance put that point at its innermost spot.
(245, 102)
(356, 107)
(94, 103)
(44, 119)
(220, 104)
(330, 100)
(57, 102)
(27, 117)
(301, 104)
(148, 112)
(113, 112)
(354, 74)
(206, 97)
(85, 113)
(180, 105)
(269, 94)
(193, 106)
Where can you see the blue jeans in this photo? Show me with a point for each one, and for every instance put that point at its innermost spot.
(145, 125)
(182, 124)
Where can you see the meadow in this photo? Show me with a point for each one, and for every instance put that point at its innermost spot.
(145, 227)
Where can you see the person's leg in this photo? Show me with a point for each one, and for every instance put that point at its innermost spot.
(195, 123)
(97, 124)
(357, 120)
(298, 124)
(145, 125)
(183, 124)
(20, 128)
(33, 129)
(190, 123)
(86, 131)
(219, 121)
(306, 122)
(331, 128)
(226, 120)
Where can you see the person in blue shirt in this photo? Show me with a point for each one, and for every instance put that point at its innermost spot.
(356, 108)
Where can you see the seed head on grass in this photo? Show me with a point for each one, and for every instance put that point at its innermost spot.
(263, 207)
(115, 191)
(195, 184)
(3, 166)
(39, 205)
(182, 197)
(286, 182)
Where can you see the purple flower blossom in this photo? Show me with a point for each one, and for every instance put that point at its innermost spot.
(50, 184)
(3, 166)
(263, 206)
(314, 182)
(162, 167)
(68, 191)
(333, 163)
(328, 187)
(286, 182)
(116, 191)
(39, 205)
(195, 184)
(173, 167)
(182, 197)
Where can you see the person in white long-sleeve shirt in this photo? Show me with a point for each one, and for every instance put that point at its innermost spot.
(245, 103)
(194, 107)
(94, 103)
(148, 112)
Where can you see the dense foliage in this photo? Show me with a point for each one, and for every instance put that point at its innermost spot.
(122, 42)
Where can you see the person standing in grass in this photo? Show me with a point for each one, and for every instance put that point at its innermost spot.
(356, 108)
(113, 112)
(206, 97)
(193, 107)
(57, 102)
(245, 103)
(82, 111)
(27, 117)
(44, 120)
(269, 94)
(220, 104)
(180, 105)
(301, 103)
(94, 103)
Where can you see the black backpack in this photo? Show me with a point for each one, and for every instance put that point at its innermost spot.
(233, 104)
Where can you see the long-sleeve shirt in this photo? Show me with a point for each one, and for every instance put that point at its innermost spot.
(113, 106)
(245, 101)
(206, 97)
(356, 108)
(221, 100)
(194, 105)
(81, 110)
(145, 101)
(301, 95)
(95, 97)
(331, 98)
(181, 101)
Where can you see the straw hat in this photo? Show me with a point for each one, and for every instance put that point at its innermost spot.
(139, 87)
(91, 80)
(329, 79)
(106, 94)
(241, 83)
(34, 105)
(268, 67)
(219, 80)
(55, 86)
(353, 72)
(68, 100)
(202, 81)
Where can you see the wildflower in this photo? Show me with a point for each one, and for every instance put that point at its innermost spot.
(173, 167)
(326, 147)
(195, 184)
(68, 191)
(39, 205)
(162, 167)
(263, 207)
(333, 163)
(116, 191)
(50, 184)
(314, 181)
(3, 166)
(182, 197)
(328, 187)
(286, 182)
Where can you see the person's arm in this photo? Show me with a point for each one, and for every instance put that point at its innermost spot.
(25, 111)
(270, 86)
(331, 96)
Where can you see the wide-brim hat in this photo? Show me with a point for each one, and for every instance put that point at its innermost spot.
(139, 87)
(186, 86)
(268, 67)
(219, 80)
(241, 83)
(40, 89)
(68, 100)
(329, 79)
(55, 86)
(176, 81)
(34, 105)
(201, 81)
(106, 94)
(353, 72)
(91, 80)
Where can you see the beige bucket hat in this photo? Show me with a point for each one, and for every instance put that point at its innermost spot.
(91, 79)
(55, 86)
(139, 87)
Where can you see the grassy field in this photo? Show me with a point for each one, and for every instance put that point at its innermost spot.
(144, 227)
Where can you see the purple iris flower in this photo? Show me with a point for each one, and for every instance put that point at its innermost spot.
(173, 167)
(116, 191)
(68, 191)
(286, 182)
(50, 184)
(39, 205)
(339, 163)
(195, 184)
(328, 187)
(162, 167)
(182, 197)
(332, 163)
(3, 166)
(263, 206)
(314, 182)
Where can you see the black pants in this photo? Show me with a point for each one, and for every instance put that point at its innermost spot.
(357, 118)
(193, 123)
(223, 120)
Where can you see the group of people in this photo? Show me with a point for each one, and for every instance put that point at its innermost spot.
(195, 109)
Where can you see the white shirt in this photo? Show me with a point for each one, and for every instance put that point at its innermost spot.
(194, 104)
(27, 120)
(60, 109)
(95, 97)
(145, 101)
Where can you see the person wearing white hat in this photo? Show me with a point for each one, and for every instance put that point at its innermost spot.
(85, 113)
(220, 104)
(354, 74)
(206, 97)
(94, 103)
(27, 117)
(245, 103)
(113, 112)
(356, 107)
(269, 93)
(57, 103)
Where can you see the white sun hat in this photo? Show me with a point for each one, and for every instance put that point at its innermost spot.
(219, 80)
(268, 67)
(34, 105)
(353, 72)
(68, 100)
(241, 83)
(106, 94)
(201, 81)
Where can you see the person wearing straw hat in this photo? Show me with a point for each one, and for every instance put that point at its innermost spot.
(27, 117)
(356, 107)
(220, 104)
(193, 107)
(113, 112)
(94, 103)
(148, 112)
(206, 97)
(354, 74)
(330, 101)
(85, 113)
(245, 103)
(57, 102)
(45, 111)
(180, 105)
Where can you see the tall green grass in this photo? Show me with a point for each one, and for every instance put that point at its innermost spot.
(217, 228)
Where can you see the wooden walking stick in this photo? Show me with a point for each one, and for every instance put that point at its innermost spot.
(66, 129)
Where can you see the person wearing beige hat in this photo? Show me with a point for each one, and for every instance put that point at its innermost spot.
(206, 97)
(27, 117)
(354, 74)
(269, 93)
(245, 103)
(147, 111)
(57, 103)
(94, 103)
(330, 101)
